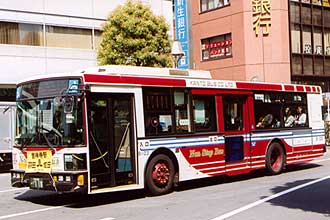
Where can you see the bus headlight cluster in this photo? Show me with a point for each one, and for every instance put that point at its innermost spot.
(66, 179)
(73, 162)
(62, 178)
(17, 176)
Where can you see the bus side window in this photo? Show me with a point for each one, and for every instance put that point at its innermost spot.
(233, 113)
(204, 113)
(182, 119)
(157, 104)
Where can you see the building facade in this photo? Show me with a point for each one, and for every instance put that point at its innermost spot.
(242, 39)
(46, 36)
(270, 40)
(310, 42)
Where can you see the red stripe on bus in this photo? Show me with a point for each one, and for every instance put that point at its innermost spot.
(258, 86)
(300, 88)
(289, 88)
(148, 81)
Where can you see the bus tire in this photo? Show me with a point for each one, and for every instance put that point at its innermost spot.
(160, 175)
(275, 158)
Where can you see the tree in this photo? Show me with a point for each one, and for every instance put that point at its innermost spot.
(133, 35)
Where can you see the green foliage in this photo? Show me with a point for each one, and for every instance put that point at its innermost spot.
(133, 35)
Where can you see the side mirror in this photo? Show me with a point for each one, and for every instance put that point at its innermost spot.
(68, 104)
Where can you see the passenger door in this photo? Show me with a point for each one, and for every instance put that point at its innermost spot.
(111, 145)
(236, 132)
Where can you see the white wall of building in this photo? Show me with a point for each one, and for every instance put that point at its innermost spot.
(18, 62)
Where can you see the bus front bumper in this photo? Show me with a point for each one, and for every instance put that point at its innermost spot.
(58, 182)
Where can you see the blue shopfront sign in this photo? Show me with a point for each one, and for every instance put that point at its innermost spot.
(181, 24)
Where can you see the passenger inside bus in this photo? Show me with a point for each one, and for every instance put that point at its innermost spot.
(300, 117)
(288, 118)
(266, 121)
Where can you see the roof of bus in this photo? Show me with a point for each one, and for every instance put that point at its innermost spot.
(151, 76)
(121, 70)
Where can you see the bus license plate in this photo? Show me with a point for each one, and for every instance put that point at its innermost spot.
(36, 183)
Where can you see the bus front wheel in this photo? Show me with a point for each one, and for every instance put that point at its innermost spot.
(275, 158)
(160, 175)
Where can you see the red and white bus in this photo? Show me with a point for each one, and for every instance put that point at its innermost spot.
(113, 128)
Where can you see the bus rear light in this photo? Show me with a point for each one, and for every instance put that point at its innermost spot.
(80, 180)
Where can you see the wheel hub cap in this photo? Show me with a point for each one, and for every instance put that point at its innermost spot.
(161, 174)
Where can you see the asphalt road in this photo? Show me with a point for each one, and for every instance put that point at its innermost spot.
(301, 192)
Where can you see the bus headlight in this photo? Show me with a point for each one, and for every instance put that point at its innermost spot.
(73, 162)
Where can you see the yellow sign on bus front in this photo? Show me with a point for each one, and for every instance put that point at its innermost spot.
(39, 161)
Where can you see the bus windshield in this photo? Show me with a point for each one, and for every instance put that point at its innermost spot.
(53, 121)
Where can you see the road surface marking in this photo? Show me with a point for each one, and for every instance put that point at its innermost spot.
(30, 212)
(319, 161)
(12, 190)
(108, 218)
(251, 205)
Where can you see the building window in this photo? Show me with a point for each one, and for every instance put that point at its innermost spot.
(310, 37)
(326, 16)
(327, 41)
(33, 35)
(7, 94)
(308, 65)
(207, 5)
(217, 47)
(327, 66)
(296, 65)
(306, 17)
(21, 34)
(317, 16)
(318, 41)
(68, 37)
(318, 66)
(295, 12)
(295, 39)
(307, 40)
(97, 38)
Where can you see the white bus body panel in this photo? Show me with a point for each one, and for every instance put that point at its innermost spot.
(315, 102)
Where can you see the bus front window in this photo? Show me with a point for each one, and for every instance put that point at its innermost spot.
(45, 122)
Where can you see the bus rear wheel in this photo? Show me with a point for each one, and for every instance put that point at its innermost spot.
(275, 158)
(160, 175)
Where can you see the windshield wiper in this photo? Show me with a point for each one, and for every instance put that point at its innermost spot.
(39, 130)
(51, 146)
(25, 141)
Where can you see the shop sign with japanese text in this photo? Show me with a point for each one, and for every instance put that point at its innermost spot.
(181, 28)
